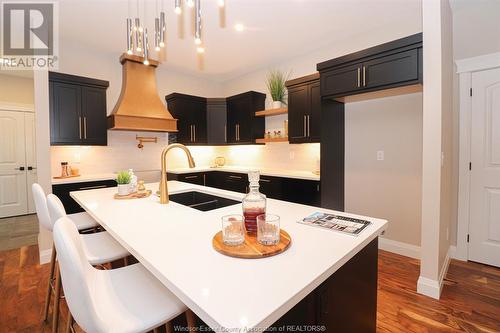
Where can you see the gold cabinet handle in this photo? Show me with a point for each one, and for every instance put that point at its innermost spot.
(80, 126)
(225, 133)
(359, 77)
(305, 125)
(194, 132)
(364, 76)
(85, 127)
(190, 177)
(308, 126)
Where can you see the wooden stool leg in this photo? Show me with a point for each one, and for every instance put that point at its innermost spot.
(49, 287)
(155, 330)
(57, 298)
(69, 325)
(191, 320)
(169, 327)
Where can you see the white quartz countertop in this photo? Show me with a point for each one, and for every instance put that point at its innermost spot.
(174, 243)
(84, 178)
(299, 174)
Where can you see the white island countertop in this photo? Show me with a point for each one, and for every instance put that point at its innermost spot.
(174, 243)
(91, 177)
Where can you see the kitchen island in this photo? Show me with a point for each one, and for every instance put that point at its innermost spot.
(325, 279)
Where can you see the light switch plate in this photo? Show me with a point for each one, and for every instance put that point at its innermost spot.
(380, 155)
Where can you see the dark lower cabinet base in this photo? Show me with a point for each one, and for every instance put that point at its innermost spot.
(346, 302)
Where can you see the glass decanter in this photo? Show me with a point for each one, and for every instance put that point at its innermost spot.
(254, 203)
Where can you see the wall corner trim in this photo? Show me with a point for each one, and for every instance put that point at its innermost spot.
(21, 107)
(404, 249)
(45, 256)
(433, 288)
(478, 63)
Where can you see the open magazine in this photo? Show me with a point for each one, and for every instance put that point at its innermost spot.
(348, 225)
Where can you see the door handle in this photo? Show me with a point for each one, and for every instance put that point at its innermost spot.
(359, 77)
(236, 132)
(91, 187)
(265, 180)
(305, 125)
(225, 133)
(235, 177)
(80, 127)
(20, 168)
(194, 132)
(31, 168)
(85, 127)
(364, 76)
(190, 177)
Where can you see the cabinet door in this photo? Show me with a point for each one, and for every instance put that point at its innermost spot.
(216, 122)
(306, 192)
(63, 192)
(298, 109)
(342, 80)
(236, 182)
(94, 130)
(232, 121)
(184, 120)
(199, 117)
(314, 120)
(393, 69)
(65, 114)
(240, 120)
(270, 186)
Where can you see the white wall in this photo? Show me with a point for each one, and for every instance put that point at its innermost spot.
(15, 89)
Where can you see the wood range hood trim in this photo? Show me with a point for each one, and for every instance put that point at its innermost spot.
(139, 107)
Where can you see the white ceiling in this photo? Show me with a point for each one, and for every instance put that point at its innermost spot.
(275, 29)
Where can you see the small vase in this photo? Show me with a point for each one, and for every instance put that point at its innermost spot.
(277, 104)
(123, 189)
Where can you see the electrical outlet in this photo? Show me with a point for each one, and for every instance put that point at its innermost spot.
(380, 155)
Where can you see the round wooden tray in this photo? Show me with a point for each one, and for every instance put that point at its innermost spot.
(251, 249)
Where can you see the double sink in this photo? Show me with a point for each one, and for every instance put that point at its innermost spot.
(202, 201)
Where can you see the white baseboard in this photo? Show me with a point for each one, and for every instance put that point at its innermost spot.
(45, 256)
(433, 288)
(404, 249)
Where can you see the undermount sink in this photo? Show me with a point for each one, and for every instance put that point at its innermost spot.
(201, 201)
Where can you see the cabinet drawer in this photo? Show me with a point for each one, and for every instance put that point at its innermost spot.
(392, 69)
(71, 206)
(192, 178)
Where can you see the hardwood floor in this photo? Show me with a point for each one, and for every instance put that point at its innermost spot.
(18, 231)
(470, 301)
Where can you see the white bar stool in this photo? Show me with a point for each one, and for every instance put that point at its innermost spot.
(125, 300)
(101, 247)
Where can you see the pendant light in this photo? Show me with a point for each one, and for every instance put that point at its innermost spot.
(178, 7)
(146, 46)
(197, 23)
(130, 40)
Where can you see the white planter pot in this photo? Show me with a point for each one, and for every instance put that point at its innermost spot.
(277, 105)
(123, 189)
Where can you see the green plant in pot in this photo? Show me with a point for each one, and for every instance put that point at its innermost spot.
(276, 85)
(123, 180)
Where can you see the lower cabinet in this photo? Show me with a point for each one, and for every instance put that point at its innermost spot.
(70, 205)
(301, 191)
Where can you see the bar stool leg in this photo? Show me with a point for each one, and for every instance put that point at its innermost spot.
(169, 328)
(191, 320)
(49, 287)
(57, 298)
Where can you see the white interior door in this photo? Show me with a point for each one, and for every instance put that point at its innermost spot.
(30, 143)
(13, 195)
(484, 225)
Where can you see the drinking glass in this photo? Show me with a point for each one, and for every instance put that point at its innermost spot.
(268, 229)
(233, 229)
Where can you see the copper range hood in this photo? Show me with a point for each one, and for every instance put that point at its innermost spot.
(139, 107)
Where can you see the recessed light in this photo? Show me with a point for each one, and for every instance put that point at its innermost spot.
(239, 27)
(200, 49)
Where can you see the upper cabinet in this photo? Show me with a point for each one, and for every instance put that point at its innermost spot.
(243, 127)
(390, 65)
(77, 110)
(191, 114)
(304, 109)
(216, 120)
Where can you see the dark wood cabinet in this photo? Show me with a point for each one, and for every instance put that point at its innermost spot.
(243, 127)
(304, 109)
(390, 65)
(191, 114)
(198, 178)
(71, 206)
(77, 110)
(306, 192)
(216, 121)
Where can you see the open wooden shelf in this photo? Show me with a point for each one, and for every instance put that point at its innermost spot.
(271, 112)
(267, 140)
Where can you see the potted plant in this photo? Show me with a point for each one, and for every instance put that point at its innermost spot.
(123, 180)
(276, 85)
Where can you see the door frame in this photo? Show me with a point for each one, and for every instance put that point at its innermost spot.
(465, 68)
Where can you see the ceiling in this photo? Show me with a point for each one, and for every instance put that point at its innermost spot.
(275, 30)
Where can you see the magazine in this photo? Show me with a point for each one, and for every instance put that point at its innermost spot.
(348, 225)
